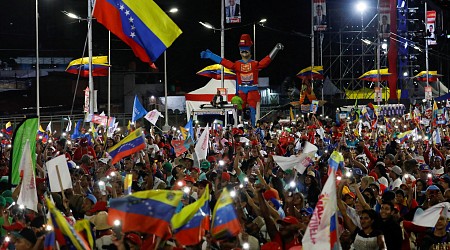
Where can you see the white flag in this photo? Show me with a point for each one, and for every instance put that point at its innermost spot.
(321, 232)
(111, 130)
(430, 216)
(69, 125)
(49, 127)
(201, 147)
(299, 162)
(153, 116)
(28, 194)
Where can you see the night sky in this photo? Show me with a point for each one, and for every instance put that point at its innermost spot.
(61, 36)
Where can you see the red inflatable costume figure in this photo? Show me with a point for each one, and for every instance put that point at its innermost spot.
(246, 71)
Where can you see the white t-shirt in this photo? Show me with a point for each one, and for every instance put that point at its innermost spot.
(395, 184)
(437, 172)
(155, 149)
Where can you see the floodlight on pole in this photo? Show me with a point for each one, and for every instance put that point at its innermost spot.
(207, 25)
(361, 6)
(173, 10)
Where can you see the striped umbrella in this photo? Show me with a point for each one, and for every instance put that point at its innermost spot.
(432, 76)
(215, 71)
(372, 75)
(99, 66)
(316, 73)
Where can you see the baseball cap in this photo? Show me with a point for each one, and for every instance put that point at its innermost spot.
(103, 160)
(445, 178)
(205, 165)
(397, 170)
(289, 220)
(91, 198)
(226, 176)
(424, 168)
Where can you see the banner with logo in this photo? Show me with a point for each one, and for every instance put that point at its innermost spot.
(431, 27)
(232, 11)
(320, 20)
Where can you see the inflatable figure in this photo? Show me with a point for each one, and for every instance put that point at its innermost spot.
(246, 71)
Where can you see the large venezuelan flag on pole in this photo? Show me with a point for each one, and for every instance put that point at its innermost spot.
(191, 223)
(141, 24)
(146, 211)
(225, 222)
(131, 144)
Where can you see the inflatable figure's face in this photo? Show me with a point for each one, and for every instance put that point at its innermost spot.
(245, 54)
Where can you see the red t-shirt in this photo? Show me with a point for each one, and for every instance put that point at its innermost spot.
(79, 152)
(279, 239)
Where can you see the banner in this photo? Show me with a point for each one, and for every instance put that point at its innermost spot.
(153, 116)
(384, 20)
(431, 27)
(320, 15)
(26, 131)
(232, 11)
(428, 93)
(63, 169)
(86, 100)
(378, 97)
(321, 232)
(201, 148)
(28, 194)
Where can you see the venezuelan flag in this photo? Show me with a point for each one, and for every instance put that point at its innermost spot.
(64, 233)
(50, 241)
(147, 211)
(127, 183)
(8, 127)
(190, 224)
(402, 137)
(83, 227)
(225, 222)
(131, 144)
(336, 159)
(143, 25)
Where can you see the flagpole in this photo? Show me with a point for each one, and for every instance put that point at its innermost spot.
(312, 43)
(222, 41)
(91, 79)
(166, 126)
(38, 113)
(109, 74)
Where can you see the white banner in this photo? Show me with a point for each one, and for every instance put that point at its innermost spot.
(201, 147)
(153, 116)
(64, 174)
(28, 194)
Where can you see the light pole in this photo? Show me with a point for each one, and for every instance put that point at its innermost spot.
(222, 41)
(261, 22)
(361, 7)
(166, 126)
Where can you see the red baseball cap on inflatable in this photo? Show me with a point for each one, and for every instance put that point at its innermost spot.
(245, 42)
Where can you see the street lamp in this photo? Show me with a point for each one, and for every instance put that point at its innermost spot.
(222, 42)
(261, 22)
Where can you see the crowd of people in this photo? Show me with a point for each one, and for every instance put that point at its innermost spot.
(393, 170)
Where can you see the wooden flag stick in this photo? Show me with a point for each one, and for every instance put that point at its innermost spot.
(60, 184)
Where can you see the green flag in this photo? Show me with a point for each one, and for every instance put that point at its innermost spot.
(26, 131)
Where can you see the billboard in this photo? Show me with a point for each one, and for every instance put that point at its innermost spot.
(320, 20)
(232, 11)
